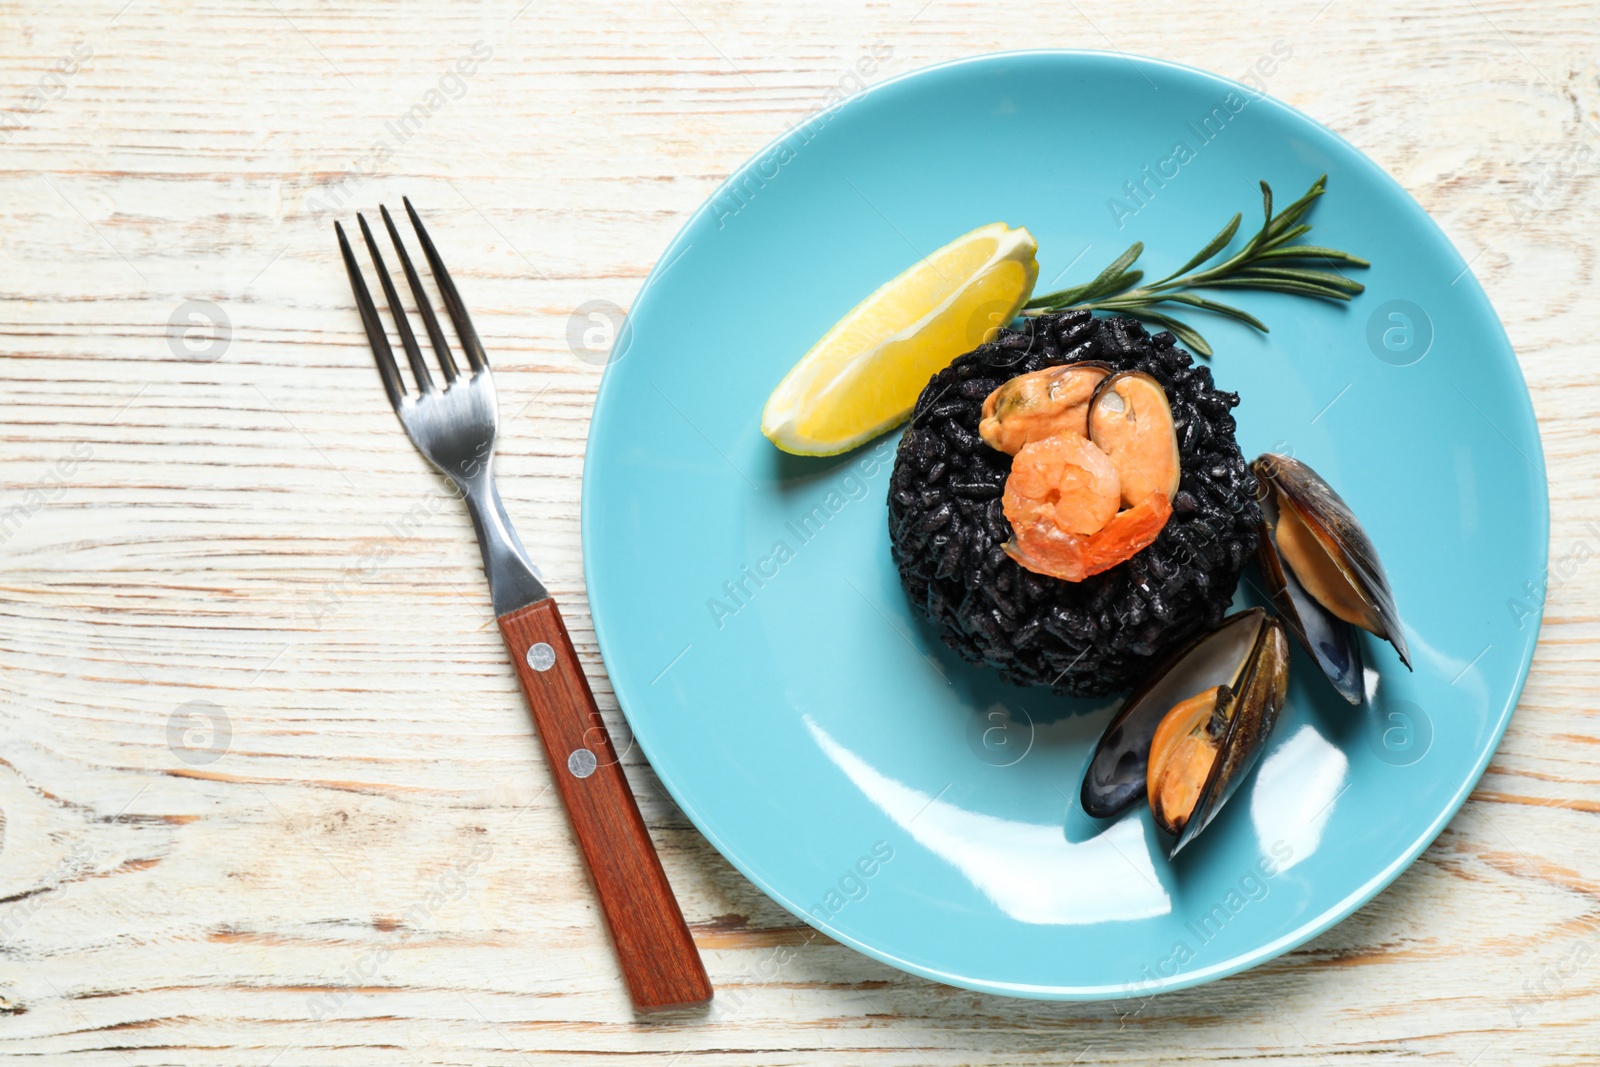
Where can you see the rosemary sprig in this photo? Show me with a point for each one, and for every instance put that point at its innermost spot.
(1267, 261)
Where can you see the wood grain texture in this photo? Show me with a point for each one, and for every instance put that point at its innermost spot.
(269, 791)
(660, 964)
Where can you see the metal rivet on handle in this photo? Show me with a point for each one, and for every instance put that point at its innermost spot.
(541, 657)
(582, 763)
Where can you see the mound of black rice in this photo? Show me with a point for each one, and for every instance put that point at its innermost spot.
(1085, 638)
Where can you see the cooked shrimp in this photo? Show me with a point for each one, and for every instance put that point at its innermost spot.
(1044, 547)
(1065, 482)
(1034, 406)
(1131, 532)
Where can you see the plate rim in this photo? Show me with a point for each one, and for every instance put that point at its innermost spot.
(1328, 917)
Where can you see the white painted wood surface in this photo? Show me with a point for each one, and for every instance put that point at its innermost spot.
(372, 870)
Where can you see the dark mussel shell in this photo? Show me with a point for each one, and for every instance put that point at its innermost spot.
(1331, 641)
(1259, 698)
(1117, 774)
(1288, 483)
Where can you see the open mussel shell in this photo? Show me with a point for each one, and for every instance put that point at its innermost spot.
(1330, 570)
(1331, 641)
(1230, 655)
(1243, 722)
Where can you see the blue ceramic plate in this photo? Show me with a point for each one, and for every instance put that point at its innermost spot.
(915, 807)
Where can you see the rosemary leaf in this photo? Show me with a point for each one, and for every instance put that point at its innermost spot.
(1302, 288)
(1220, 308)
(1217, 244)
(1303, 274)
(1186, 334)
(1291, 214)
(1286, 236)
(1313, 252)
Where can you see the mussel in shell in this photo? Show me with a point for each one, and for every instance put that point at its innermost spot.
(1131, 421)
(1322, 571)
(1031, 407)
(1187, 738)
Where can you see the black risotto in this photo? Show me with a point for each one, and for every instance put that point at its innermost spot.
(1086, 638)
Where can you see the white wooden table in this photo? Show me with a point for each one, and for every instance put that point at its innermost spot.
(269, 790)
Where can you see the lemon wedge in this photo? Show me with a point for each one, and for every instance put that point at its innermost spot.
(865, 374)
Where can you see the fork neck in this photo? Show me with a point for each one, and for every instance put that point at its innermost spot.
(513, 581)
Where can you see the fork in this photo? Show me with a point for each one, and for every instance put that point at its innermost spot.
(454, 427)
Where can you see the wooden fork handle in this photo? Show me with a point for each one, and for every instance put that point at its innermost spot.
(659, 960)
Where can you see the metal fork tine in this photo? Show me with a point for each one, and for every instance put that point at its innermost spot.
(424, 301)
(398, 311)
(452, 299)
(376, 337)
